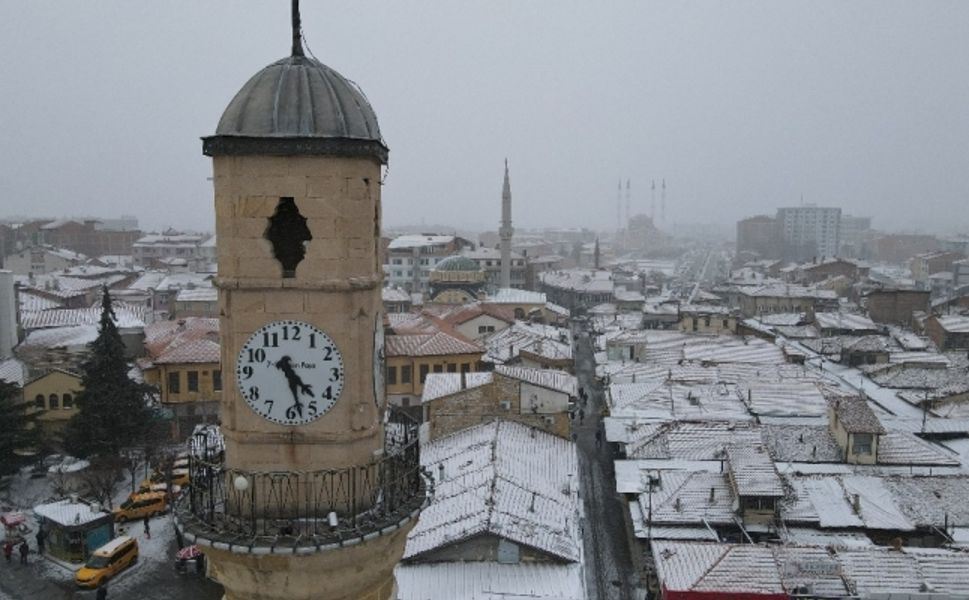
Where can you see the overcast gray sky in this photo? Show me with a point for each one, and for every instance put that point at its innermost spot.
(740, 106)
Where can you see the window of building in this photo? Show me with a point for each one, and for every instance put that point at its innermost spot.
(726, 324)
(706, 321)
(438, 368)
(174, 382)
(67, 401)
(465, 367)
(405, 374)
(452, 368)
(391, 375)
(486, 328)
(39, 401)
(53, 401)
(405, 401)
(424, 369)
(861, 443)
(217, 380)
(193, 381)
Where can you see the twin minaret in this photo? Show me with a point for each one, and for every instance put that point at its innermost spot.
(506, 231)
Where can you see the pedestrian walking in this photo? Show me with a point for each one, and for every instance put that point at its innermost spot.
(41, 538)
(24, 549)
(8, 551)
(581, 416)
(102, 592)
(147, 528)
(598, 438)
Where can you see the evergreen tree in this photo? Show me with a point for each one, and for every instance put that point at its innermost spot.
(113, 413)
(16, 431)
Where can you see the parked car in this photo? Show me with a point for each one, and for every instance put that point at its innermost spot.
(139, 506)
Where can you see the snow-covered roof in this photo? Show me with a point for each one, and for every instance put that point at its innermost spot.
(753, 472)
(716, 568)
(432, 344)
(438, 385)
(686, 440)
(689, 498)
(12, 371)
(70, 513)
(61, 337)
(503, 479)
(414, 241)
(127, 316)
(551, 379)
(489, 581)
(203, 294)
(656, 399)
(844, 321)
(546, 341)
(516, 296)
(579, 280)
(795, 398)
(954, 323)
(856, 416)
(394, 294)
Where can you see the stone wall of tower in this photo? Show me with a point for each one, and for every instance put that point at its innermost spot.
(336, 288)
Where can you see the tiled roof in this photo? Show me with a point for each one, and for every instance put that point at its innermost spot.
(204, 294)
(753, 471)
(189, 340)
(690, 498)
(126, 316)
(856, 416)
(436, 344)
(786, 399)
(717, 568)
(846, 321)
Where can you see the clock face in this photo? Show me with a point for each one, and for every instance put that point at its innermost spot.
(290, 372)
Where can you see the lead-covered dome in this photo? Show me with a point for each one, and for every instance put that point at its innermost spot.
(298, 105)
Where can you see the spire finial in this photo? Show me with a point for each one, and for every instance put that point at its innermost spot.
(297, 28)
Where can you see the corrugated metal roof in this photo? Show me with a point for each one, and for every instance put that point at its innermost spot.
(438, 385)
(489, 581)
(552, 379)
(503, 478)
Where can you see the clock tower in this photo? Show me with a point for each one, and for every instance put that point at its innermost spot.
(314, 486)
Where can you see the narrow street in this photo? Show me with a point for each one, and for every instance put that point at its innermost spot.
(610, 570)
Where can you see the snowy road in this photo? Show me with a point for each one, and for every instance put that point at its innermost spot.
(610, 571)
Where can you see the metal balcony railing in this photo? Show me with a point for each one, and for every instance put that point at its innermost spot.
(303, 511)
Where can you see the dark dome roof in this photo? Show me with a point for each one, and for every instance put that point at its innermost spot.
(457, 263)
(299, 97)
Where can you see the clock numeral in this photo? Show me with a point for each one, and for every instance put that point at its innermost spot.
(270, 403)
(270, 340)
(312, 340)
(295, 333)
(247, 371)
(253, 393)
(311, 406)
(256, 355)
(334, 374)
(328, 353)
(327, 393)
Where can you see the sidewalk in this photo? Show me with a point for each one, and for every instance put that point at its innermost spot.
(40, 578)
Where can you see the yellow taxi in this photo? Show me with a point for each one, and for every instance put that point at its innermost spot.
(107, 561)
(139, 506)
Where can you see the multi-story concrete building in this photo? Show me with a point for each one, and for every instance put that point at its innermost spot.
(809, 230)
(410, 258)
(759, 235)
(925, 265)
(156, 250)
(851, 237)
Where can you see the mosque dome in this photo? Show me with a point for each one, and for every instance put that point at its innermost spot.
(457, 263)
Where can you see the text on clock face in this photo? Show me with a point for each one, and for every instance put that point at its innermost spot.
(290, 372)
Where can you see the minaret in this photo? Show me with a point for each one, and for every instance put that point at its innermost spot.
(595, 256)
(506, 231)
(308, 499)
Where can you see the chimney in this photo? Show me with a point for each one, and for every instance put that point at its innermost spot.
(713, 492)
(856, 503)
(440, 471)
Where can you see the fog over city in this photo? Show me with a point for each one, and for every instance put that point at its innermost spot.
(741, 107)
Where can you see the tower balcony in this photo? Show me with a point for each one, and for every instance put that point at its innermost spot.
(303, 512)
